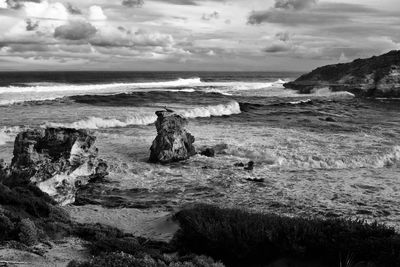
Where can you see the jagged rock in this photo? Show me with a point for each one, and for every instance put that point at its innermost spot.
(4, 170)
(208, 152)
(56, 160)
(330, 119)
(250, 166)
(376, 76)
(173, 143)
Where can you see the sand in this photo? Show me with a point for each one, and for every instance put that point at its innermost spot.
(156, 225)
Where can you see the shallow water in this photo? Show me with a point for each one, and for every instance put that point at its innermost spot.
(323, 154)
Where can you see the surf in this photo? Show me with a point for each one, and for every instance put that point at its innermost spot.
(226, 109)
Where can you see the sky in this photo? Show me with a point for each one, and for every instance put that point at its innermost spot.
(213, 35)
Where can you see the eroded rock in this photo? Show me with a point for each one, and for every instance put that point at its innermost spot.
(173, 143)
(56, 160)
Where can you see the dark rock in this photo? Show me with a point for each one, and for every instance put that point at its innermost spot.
(173, 143)
(250, 166)
(239, 164)
(4, 170)
(208, 152)
(330, 119)
(56, 160)
(256, 180)
(376, 76)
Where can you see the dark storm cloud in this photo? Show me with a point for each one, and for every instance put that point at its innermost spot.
(294, 4)
(75, 30)
(132, 3)
(73, 9)
(276, 48)
(309, 12)
(31, 26)
(295, 18)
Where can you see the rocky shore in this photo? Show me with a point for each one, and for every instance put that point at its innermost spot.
(41, 226)
(378, 76)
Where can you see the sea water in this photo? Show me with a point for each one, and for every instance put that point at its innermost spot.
(325, 154)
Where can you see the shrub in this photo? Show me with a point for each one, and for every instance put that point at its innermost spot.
(122, 260)
(6, 227)
(28, 232)
(236, 236)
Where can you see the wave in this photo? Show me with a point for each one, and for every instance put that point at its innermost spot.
(326, 92)
(7, 134)
(146, 119)
(388, 158)
(94, 87)
(43, 91)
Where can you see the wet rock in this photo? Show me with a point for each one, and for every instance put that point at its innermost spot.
(330, 119)
(56, 160)
(173, 143)
(4, 170)
(208, 152)
(256, 180)
(250, 166)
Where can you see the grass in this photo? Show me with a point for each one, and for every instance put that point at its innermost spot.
(238, 238)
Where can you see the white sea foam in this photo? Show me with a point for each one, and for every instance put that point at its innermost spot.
(326, 92)
(391, 157)
(95, 87)
(300, 102)
(145, 119)
(7, 134)
(51, 91)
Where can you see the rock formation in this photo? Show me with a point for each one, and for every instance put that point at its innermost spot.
(56, 160)
(376, 76)
(173, 143)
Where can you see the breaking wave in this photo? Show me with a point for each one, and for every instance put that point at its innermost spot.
(326, 92)
(7, 134)
(145, 119)
(388, 158)
(39, 87)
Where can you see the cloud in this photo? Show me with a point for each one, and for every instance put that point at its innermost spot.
(132, 3)
(96, 13)
(294, 4)
(207, 17)
(295, 18)
(31, 26)
(46, 10)
(75, 30)
(17, 4)
(73, 9)
(3, 4)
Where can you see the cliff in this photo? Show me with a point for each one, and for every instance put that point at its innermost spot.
(378, 76)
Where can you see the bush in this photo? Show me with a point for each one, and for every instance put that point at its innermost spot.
(28, 232)
(6, 227)
(122, 260)
(239, 237)
(29, 215)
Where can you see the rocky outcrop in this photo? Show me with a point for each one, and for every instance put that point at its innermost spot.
(378, 76)
(173, 143)
(56, 160)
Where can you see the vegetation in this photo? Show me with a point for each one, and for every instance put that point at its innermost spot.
(28, 215)
(238, 237)
(122, 260)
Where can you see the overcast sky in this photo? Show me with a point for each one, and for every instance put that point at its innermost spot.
(262, 35)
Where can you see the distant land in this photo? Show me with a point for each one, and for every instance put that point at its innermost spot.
(378, 76)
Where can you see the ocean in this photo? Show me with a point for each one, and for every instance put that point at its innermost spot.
(324, 154)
